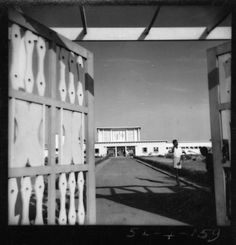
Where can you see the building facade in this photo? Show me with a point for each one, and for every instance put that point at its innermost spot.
(124, 141)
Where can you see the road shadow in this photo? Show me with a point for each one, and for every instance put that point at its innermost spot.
(152, 180)
(191, 206)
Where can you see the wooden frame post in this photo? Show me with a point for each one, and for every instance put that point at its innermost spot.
(213, 84)
(52, 126)
(90, 158)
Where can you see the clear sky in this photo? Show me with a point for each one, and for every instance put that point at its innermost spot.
(160, 86)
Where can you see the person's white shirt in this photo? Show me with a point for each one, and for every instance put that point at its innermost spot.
(177, 152)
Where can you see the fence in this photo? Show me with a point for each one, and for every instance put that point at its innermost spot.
(51, 179)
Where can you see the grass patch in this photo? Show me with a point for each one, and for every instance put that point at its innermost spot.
(192, 170)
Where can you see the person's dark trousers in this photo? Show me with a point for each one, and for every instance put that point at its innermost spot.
(177, 176)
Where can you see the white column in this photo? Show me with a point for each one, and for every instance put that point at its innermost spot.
(111, 136)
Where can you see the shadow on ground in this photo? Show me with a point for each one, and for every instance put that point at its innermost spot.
(191, 206)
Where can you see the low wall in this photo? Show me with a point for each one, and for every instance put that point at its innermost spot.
(199, 177)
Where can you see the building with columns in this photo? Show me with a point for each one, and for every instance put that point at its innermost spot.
(121, 134)
(124, 141)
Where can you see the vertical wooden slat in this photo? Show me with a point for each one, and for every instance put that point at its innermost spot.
(82, 138)
(90, 158)
(18, 58)
(61, 137)
(52, 134)
(62, 187)
(72, 213)
(213, 83)
(63, 65)
(11, 116)
(80, 87)
(12, 195)
(67, 145)
(76, 138)
(29, 47)
(39, 189)
(26, 189)
(72, 71)
(81, 212)
(40, 80)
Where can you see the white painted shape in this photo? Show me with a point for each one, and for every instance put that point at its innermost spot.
(80, 93)
(39, 189)
(40, 80)
(76, 138)
(81, 211)
(12, 196)
(72, 72)
(29, 47)
(29, 134)
(66, 153)
(62, 188)
(80, 61)
(72, 185)
(26, 189)
(63, 62)
(18, 58)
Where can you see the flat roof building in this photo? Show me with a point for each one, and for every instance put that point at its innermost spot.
(124, 141)
(118, 134)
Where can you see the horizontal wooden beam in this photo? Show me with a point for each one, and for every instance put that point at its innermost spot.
(45, 32)
(133, 34)
(46, 101)
(224, 106)
(219, 18)
(83, 18)
(223, 49)
(152, 21)
(45, 170)
(147, 30)
(125, 2)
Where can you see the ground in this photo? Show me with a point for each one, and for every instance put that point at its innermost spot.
(129, 193)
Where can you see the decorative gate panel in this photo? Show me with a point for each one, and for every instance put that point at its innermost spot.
(51, 133)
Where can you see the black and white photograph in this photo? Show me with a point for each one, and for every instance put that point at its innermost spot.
(119, 114)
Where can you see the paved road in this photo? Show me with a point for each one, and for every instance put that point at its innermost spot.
(127, 193)
(130, 193)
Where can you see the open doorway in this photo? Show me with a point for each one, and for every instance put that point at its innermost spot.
(160, 85)
(163, 87)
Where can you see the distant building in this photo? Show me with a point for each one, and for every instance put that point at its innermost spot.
(122, 134)
(124, 141)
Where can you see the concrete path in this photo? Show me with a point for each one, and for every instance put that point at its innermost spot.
(129, 193)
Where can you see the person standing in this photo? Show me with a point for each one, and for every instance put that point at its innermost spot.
(209, 166)
(177, 158)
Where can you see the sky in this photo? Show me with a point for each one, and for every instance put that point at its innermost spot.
(160, 86)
